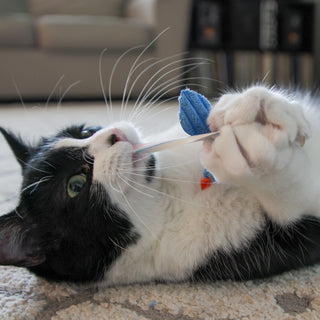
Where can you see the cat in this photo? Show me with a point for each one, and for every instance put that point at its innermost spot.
(92, 210)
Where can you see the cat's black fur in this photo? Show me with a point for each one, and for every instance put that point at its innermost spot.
(275, 250)
(52, 234)
(61, 238)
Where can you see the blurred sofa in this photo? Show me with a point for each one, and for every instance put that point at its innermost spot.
(52, 48)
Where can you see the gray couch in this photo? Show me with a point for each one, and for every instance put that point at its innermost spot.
(52, 47)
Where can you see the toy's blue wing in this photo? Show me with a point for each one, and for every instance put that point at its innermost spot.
(194, 111)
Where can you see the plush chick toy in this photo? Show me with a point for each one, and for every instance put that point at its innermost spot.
(193, 114)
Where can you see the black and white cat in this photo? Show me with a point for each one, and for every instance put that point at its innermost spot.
(93, 210)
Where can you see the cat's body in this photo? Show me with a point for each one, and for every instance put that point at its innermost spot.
(130, 218)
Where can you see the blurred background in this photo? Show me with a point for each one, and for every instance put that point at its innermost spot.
(57, 49)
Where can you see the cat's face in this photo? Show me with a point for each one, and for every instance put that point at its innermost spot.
(72, 219)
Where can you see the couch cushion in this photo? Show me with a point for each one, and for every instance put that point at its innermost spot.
(91, 32)
(9, 6)
(16, 30)
(91, 7)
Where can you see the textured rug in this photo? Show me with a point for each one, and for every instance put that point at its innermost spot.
(293, 295)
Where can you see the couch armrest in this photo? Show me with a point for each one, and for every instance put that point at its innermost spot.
(142, 10)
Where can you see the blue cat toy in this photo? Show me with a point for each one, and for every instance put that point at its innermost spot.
(193, 114)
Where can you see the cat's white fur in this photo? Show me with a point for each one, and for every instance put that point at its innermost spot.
(260, 164)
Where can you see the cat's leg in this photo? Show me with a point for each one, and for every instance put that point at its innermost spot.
(261, 148)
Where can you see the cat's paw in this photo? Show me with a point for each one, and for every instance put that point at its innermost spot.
(259, 130)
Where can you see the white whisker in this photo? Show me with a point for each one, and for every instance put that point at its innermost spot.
(66, 91)
(36, 184)
(168, 195)
(144, 71)
(136, 61)
(134, 211)
(113, 71)
(153, 103)
(146, 93)
(19, 93)
(126, 179)
(18, 214)
(30, 166)
(165, 85)
(178, 165)
(116, 244)
(101, 80)
(53, 91)
(113, 173)
(162, 178)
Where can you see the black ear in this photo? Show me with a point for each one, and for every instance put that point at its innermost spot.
(19, 148)
(18, 246)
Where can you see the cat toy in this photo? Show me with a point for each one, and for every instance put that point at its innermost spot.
(193, 114)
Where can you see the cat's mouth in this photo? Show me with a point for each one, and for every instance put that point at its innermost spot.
(147, 161)
(119, 136)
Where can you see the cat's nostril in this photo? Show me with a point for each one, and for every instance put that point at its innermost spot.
(113, 139)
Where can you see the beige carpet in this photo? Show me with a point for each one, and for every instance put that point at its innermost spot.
(294, 295)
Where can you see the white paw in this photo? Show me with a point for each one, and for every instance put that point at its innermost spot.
(259, 130)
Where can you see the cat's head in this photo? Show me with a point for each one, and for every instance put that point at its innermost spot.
(72, 219)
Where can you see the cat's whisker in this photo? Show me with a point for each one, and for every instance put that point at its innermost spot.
(18, 214)
(162, 178)
(66, 91)
(36, 184)
(135, 63)
(113, 173)
(159, 168)
(166, 84)
(19, 93)
(126, 96)
(157, 99)
(102, 82)
(171, 70)
(87, 158)
(265, 76)
(168, 195)
(145, 70)
(153, 103)
(126, 179)
(30, 166)
(135, 212)
(150, 115)
(116, 244)
(49, 164)
(145, 93)
(112, 74)
(53, 91)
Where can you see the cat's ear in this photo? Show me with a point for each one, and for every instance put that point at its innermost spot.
(20, 150)
(18, 246)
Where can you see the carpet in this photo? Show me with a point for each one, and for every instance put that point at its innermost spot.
(292, 295)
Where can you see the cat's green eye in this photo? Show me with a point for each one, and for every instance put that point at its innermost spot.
(76, 184)
(86, 133)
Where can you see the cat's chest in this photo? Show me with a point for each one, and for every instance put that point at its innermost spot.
(188, 231)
